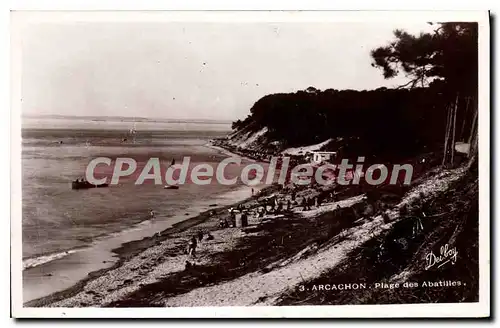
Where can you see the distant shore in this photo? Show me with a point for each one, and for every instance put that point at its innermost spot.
(126, 119)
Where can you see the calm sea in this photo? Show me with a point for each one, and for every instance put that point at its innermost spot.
(58, 221)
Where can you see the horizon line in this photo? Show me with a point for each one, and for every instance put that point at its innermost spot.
(32, 115)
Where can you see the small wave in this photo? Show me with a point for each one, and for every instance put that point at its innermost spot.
(36, 261)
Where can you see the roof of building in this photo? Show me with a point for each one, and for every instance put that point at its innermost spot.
(324, 152)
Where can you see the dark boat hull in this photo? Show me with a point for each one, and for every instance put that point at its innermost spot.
(86, 185)
(171, 187)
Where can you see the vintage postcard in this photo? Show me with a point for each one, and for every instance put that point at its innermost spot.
(250, 164)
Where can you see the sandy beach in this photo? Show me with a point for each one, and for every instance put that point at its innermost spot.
(112, 252)
(279, 250)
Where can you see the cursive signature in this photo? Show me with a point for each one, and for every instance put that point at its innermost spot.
(446, 255)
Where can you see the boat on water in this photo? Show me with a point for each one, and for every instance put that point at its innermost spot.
(86, 185)
(171, 187)
(132, 131)
(130, 134)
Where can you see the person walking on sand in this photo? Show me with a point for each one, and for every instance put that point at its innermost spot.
(304, 203)
(223, 223)
(152, 214)
(192, 246)
(278, 207)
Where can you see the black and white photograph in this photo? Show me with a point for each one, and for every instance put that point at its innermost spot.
(250, 164)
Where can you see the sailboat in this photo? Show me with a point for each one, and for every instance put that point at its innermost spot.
(133, 132)
(171, 186)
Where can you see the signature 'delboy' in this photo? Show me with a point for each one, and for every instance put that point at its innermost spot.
(446, 254)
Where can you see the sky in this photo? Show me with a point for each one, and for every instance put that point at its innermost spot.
(192, 70)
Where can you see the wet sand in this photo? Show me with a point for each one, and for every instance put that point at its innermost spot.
(142, 254)
(65, 272)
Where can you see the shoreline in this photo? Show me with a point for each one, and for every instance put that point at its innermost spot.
(154, 271)
(129, 249)
(231, 153)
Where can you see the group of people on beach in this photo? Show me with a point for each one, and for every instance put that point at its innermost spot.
(194, 240)
(272, 204)
(192, 245)
(306, 202)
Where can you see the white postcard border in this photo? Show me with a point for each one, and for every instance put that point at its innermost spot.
(480, 309)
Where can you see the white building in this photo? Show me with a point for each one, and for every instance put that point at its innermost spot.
(319, 157)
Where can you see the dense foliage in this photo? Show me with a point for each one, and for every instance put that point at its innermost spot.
(448, 57)
(442, 67)
(382, 120)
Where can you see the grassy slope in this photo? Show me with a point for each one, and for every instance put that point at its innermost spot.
(452, 218)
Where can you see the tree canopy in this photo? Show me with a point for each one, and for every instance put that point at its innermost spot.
(447, 56)
(441, 65)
